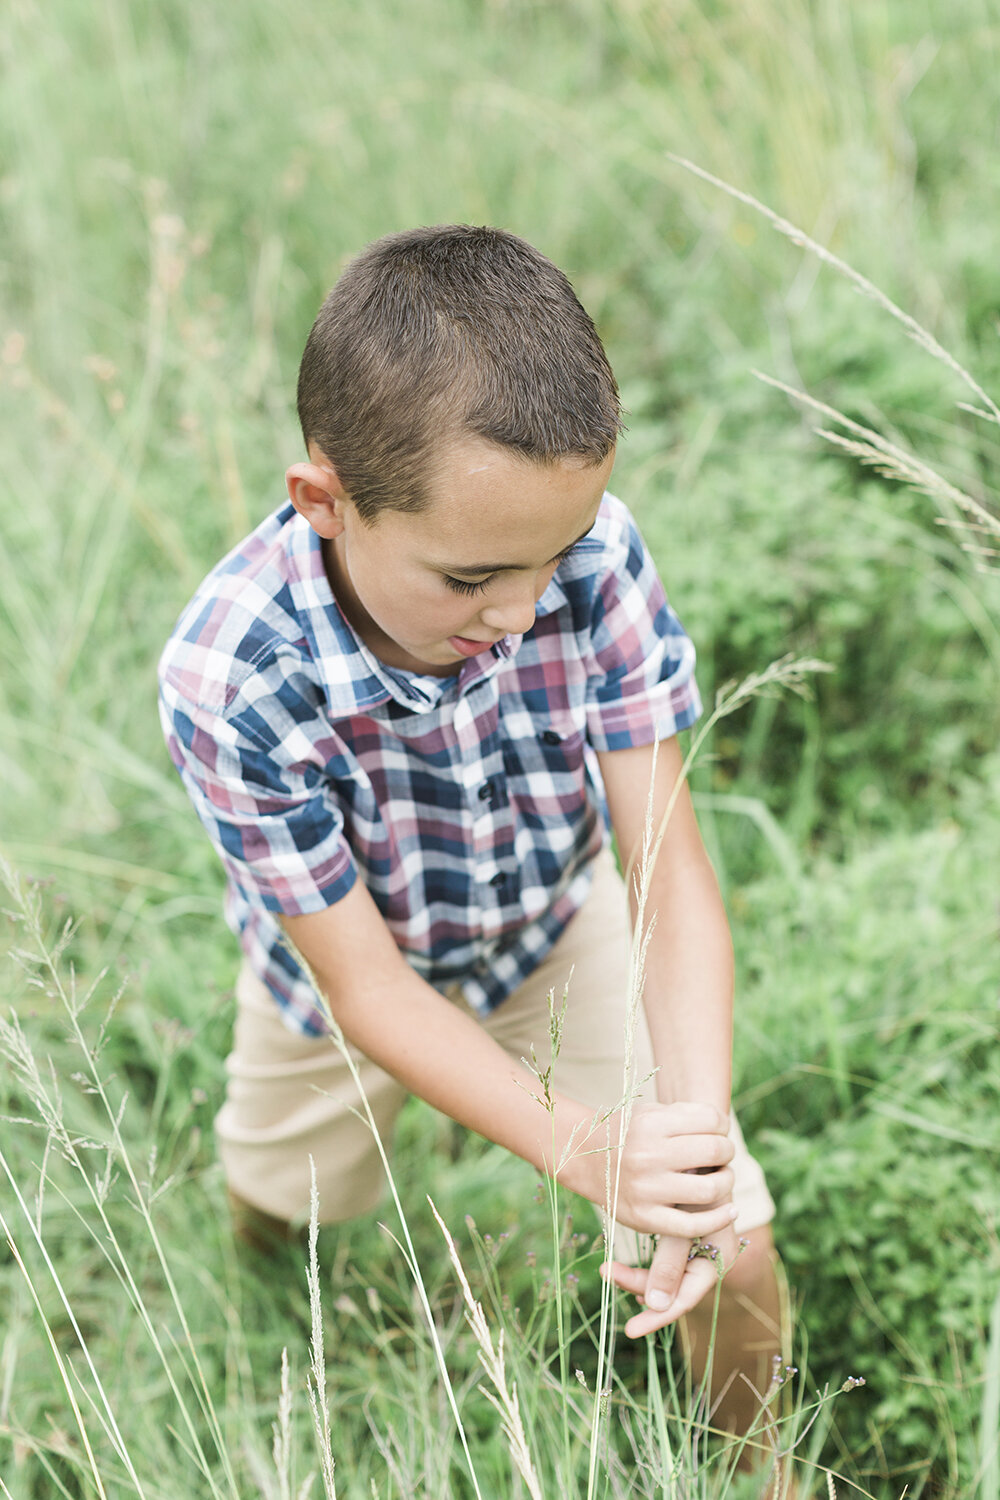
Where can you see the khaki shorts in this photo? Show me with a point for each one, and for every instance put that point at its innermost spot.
(290, 1096)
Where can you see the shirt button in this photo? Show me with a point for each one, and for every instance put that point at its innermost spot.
(499, 879)
(486, 792)
(549, 737)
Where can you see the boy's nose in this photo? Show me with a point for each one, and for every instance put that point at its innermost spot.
(513, 616)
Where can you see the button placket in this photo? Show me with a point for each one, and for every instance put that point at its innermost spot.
(476, 727)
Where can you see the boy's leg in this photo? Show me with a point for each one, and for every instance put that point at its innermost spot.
(748, 1334)
(290, 1097)
(590, 1067)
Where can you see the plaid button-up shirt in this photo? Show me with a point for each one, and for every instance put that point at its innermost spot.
(470, 806)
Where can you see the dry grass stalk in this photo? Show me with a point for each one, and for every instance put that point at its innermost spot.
(492, 1360)
(318, 1402)
(925, 339)
(787, 674)
(40, 963)
(866, 445)
(339, 1041)
(888, 459)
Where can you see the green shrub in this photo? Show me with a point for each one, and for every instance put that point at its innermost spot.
(868, 1066)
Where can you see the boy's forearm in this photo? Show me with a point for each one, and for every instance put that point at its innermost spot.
(688, 995)
(442, 1055)
(439, 1052)
(689, 985)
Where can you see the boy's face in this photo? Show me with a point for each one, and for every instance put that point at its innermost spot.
(426, 591)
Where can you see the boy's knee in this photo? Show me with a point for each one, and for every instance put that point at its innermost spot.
(750, 1284)
(755, 1264)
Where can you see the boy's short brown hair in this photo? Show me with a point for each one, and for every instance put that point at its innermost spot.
(439, 333)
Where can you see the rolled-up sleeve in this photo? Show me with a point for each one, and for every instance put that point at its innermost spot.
(642, 685)
(258, 784)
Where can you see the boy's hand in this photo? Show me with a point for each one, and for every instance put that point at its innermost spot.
(675, 1278)
(673, 1179)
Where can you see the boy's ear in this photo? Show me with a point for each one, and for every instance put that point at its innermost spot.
(315, 490)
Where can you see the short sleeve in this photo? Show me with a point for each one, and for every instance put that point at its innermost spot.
(255, 772)
(641, 683)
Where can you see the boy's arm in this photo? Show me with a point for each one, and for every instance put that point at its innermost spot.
(688, 995)
(441, 1053)
(689, 967)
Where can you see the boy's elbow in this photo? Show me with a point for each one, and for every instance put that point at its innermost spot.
(347, 948)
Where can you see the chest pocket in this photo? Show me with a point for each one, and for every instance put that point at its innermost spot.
(544, 757)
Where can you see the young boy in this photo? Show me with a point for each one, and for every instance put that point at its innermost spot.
(407, 709)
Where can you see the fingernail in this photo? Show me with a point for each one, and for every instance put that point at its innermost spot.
(657, 1301)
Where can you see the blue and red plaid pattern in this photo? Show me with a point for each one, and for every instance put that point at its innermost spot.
(470, 806)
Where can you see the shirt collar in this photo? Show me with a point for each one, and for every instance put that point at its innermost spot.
(553, 598)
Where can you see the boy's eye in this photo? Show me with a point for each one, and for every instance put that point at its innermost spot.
(476, 586)
(466, 585)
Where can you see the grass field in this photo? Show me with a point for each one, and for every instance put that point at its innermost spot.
(179, 185)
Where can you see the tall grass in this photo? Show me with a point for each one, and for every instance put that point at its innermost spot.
(615, 1439)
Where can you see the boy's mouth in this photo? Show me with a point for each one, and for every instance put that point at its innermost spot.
(466, 647)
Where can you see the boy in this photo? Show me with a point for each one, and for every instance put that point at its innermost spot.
(402, 708)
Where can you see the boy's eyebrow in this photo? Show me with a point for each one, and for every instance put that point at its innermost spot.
(505, 567)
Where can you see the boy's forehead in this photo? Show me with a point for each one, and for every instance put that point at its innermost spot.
(488, 508)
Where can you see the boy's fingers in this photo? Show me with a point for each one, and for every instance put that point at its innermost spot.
(700, 1278)
(704, 1188)
(688, 1224)
(693, 1153)
(697, 1279)
(628, 1278)
(663, 1279)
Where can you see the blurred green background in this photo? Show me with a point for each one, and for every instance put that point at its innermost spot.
(180, 183)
